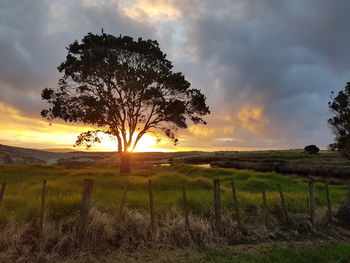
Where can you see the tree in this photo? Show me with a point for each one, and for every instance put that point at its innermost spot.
(124, 88)
(340, 123)
(311, 149)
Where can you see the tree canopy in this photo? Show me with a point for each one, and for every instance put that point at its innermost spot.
(311, 149)
(124, 88)
(340, 123)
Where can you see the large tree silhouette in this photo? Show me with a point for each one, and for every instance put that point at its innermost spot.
(124, 88)
(340, 122)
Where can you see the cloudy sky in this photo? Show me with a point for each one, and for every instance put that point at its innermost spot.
(266, 67)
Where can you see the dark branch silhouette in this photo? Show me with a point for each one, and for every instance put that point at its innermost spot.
(340, 123)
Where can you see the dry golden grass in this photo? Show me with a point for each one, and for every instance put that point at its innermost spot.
(106, 233)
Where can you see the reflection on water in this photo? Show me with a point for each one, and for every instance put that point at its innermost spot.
(206, 165)
(162, 165)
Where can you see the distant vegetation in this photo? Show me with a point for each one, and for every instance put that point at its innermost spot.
(340, 123)
(311, 149)
(285, 155)
(325, 165)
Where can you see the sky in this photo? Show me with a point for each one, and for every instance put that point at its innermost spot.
(266, 67)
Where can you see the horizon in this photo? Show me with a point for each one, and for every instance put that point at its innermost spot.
(158, 150)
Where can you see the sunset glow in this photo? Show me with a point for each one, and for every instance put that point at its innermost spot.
(19, 130)
(147, 143)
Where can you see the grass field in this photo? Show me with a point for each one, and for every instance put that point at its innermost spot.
(22, 196)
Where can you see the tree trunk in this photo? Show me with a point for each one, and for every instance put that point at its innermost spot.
(125, 163)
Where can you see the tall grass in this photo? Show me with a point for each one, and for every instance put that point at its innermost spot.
(105, 234)
(22, 196)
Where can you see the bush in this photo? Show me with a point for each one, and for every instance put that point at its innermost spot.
(311, 149)
(342, 145)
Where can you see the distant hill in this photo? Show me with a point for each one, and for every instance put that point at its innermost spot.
(18, 155)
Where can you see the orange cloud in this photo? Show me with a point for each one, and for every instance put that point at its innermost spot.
(253, 119)
(153, 9)
(225, 118)
(228, 129)
(15, 128)
(201, 130)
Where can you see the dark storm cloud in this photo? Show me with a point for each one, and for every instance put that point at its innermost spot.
(286, 56)
(33, 37)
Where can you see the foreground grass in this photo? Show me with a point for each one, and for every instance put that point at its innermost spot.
(22, 197)
(330, 253)
(323, 254)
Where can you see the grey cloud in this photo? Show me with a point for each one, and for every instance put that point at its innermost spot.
(284, 55)
(33, 37)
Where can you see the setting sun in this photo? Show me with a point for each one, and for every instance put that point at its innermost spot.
(147, 143)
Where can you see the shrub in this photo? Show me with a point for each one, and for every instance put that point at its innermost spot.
(342, 145)
(311, 149)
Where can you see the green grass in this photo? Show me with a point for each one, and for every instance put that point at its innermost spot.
(323, 254)
(22, 196)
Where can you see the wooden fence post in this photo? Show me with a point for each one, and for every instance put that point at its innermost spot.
(122, 200)
(235, 203)
(85, 207)
(264, 199)
(42, 207)
(151, 204)
(283, 202)
(2, 191)
(330, 219)
(185, 208)
(312, 202)
(217, 205)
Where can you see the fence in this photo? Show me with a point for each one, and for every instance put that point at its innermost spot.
(88, 184)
